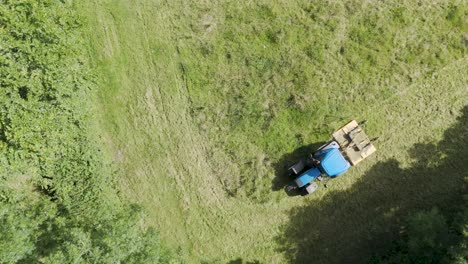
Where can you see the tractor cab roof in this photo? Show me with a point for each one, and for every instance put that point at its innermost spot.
(333, 163)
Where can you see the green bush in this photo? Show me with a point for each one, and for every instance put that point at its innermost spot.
(58, 201)
(430, 237)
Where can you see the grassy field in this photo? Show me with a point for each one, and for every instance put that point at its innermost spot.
(202, 105)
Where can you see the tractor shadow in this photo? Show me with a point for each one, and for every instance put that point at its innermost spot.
(282, 178)
(353, 225)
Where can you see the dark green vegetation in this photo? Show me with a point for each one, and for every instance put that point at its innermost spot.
(58, 199)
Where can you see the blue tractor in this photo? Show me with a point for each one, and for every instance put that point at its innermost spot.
(349, 146)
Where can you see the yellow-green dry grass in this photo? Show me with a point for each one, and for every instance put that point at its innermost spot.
(201, 103)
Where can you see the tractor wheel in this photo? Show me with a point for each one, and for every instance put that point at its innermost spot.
(290, 188)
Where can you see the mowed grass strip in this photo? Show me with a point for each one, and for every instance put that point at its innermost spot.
(200, 102)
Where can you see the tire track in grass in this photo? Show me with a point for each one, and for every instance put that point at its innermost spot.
(186, 151)
(175, 130)
(140, 180)
(216, 217)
